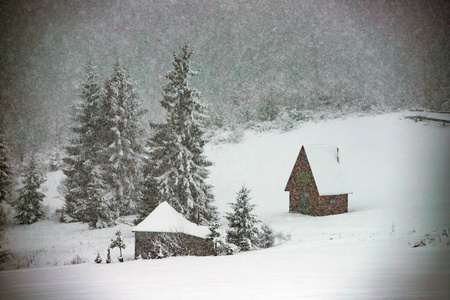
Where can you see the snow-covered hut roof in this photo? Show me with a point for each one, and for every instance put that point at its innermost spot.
(327, 167)
(164, 218)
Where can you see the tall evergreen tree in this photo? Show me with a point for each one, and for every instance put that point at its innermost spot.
(85, 198)
(80, 154)
(177, 146)
(242, 223)
(101, 210)
(29, 204)
(122, 147)
(5, 169)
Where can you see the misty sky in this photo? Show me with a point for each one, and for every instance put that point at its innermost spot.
(385, 51)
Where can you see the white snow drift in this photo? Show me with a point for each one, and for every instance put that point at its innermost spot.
(166, 219)
(398, 172)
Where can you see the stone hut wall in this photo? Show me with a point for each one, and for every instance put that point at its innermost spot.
(157, 244)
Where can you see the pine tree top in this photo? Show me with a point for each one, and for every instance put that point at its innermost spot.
(241, 215)
(176, 149)
(118, 241)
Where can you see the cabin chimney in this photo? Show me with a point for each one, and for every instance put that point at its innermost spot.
(337, 154)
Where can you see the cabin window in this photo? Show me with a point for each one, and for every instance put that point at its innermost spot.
(303, 177)
(332, 200)
(303, 158)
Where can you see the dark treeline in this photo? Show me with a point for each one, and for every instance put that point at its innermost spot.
(255, 58)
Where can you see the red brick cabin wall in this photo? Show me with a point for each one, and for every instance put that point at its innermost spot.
(315, 205)
(296, 187)
(323, 207)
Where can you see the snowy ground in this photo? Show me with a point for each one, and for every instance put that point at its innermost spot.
(399, 171)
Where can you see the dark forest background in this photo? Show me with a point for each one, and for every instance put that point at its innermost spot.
(256, 58)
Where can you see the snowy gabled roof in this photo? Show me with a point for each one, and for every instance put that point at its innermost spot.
(328, 173)
(164, 218)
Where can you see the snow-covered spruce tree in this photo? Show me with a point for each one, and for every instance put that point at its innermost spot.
(84, 169)
(242, 231)
(177, 146)
(148, 199)
(220, 246)
(100, 208)
(29, 204)
(122, 147)
(5, 169)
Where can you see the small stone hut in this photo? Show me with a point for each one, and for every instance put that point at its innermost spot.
(317, 185)
(165, 228)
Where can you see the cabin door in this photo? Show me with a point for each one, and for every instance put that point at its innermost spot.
(302, 206)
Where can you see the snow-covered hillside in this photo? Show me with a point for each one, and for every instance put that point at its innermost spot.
(398, 171)
(396, 168)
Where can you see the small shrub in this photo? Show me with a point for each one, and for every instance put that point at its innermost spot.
(219, 244)
(221, 247)
(78, 260)
(266, 237)
(98, 259)
(108, 256)
(420, 243)
(432, 238)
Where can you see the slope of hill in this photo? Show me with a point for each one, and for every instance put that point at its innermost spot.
(398, 170)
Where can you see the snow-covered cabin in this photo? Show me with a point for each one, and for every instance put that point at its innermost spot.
(317, 185)
(162, 227)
